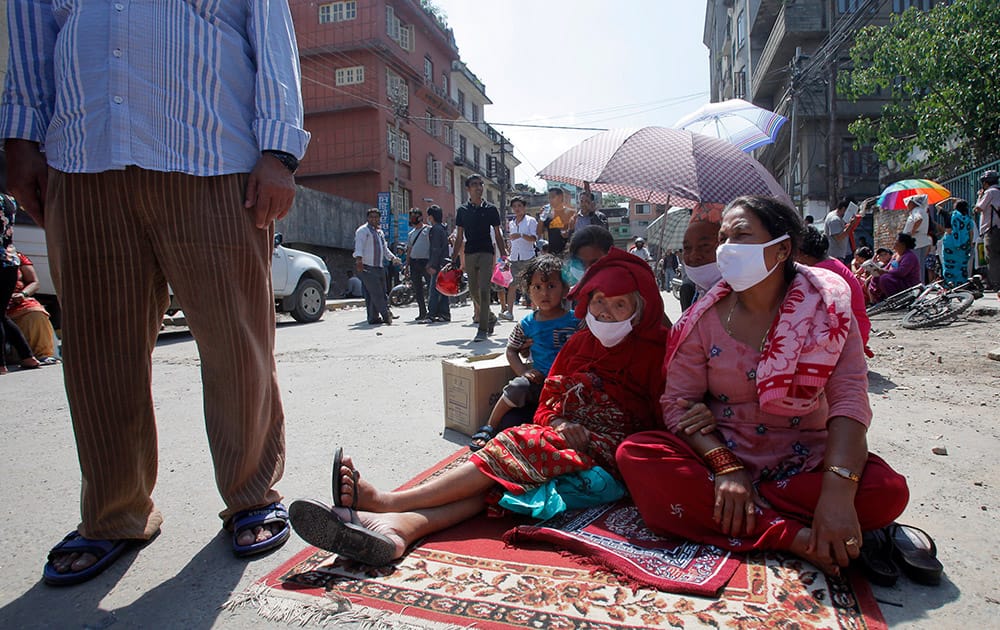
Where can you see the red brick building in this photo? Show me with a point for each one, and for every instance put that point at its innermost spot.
(370, 68)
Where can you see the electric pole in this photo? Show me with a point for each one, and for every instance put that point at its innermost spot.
(502, 175)
(398, 111)
(793, 88)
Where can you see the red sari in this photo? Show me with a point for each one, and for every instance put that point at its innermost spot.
(612, 392)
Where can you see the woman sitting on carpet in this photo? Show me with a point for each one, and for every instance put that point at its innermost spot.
(777, 352)
(604, 385)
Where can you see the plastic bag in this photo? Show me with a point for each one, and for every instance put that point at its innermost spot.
(571, 491)
(501, 275)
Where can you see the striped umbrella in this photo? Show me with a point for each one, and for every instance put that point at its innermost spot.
(742, 124)
(663, 166)
(892, 198)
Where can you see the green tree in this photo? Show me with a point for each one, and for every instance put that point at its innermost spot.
(940, 70)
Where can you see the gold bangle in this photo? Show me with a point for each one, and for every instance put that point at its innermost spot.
(717, 448)
(840, 471)
(730, 469)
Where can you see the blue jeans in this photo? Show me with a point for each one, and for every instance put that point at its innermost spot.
(437, 304)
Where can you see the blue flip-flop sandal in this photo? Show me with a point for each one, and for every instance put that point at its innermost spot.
(274, 513)
(106, 551)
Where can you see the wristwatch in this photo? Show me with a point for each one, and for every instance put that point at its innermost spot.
(287, 159)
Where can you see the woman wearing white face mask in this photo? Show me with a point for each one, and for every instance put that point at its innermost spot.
(776, 352)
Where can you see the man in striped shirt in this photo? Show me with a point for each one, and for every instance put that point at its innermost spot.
(154, 155)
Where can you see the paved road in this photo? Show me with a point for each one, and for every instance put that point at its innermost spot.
(375, 390)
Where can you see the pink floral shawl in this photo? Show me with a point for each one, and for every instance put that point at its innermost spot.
(802, 346)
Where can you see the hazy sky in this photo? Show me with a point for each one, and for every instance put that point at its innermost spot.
(581, 63)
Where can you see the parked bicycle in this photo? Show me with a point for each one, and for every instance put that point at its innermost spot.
(938, 304)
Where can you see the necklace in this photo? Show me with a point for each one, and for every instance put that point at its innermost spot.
(729, 330)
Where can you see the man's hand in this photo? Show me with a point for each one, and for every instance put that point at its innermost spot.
(270, 190)
(359, 265)
(27, 177)
(535, 376)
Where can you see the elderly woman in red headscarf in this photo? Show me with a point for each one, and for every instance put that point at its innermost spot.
(604, 385)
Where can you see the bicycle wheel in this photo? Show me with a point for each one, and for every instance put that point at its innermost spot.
(942, 310)
(895, 302)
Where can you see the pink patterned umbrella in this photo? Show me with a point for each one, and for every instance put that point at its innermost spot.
(665, 166)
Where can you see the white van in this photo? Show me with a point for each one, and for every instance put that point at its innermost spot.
(301, 280)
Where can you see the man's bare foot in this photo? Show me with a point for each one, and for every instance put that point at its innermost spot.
(369, 498)
(75, 562)
(259, 534)
(800, 548)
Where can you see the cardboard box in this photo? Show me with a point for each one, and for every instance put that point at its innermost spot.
(472, 385)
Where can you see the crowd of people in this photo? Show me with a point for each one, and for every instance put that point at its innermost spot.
(750, 412)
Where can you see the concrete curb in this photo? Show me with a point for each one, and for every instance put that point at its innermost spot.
(178, 320)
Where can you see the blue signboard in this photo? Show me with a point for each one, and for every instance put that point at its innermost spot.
(385, 208)
(403, 229)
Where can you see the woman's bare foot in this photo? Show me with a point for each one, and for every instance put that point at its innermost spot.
(369, 498)
(800, 547)
(396, 527)
(30, 364)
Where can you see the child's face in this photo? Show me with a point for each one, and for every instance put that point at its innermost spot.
(589, 254)
(546, 292)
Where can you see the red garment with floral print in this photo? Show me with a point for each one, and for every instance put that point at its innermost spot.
(612, 392)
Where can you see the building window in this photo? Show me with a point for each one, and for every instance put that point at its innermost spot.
(449, 179)
(475, 113)
(858, 162)
(740, 84)
(741, 29)
(449, 137)
(461, 102)
(403, 141)
(475, 156)
(462, 146)
(396, 88)
(489, 195)
(433, 171)
(398, 32)
(898, 6)
(402, 198)
(444, 81)
(350, 76)
(338, 11)
(428, 70)
(642, 208)
(853, 6)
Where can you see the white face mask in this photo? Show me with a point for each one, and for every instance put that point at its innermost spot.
(705, 276)
(610, 334)
(743, 265)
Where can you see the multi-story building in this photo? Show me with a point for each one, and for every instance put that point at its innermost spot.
(376, 89)
(784, 56)
(478, 147)
(640, 215)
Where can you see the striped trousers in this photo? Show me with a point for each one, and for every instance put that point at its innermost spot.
(115, 239)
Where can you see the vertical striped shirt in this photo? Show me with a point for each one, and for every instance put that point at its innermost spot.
(191, 86)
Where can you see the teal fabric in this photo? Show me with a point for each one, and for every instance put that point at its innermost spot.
(566, 492)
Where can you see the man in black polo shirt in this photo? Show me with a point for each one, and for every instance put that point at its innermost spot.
(474, 220)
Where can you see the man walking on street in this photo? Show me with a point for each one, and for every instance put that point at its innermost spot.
(418, 249)
(438, 306)
(988, 205)
(475, 220)
(127, 127)
(370, 252)
(523, 230)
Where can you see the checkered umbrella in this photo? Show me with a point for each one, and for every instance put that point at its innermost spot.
(667, 230)
(736, 121)
(664, 166)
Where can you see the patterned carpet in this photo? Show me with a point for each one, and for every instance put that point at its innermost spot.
(467, 576)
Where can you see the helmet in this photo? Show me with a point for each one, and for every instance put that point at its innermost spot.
(639, 239)
(991, 177)
(450, 282)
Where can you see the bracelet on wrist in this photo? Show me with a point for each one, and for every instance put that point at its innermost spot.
(721, 459)
(844, 473)
(730, 469)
